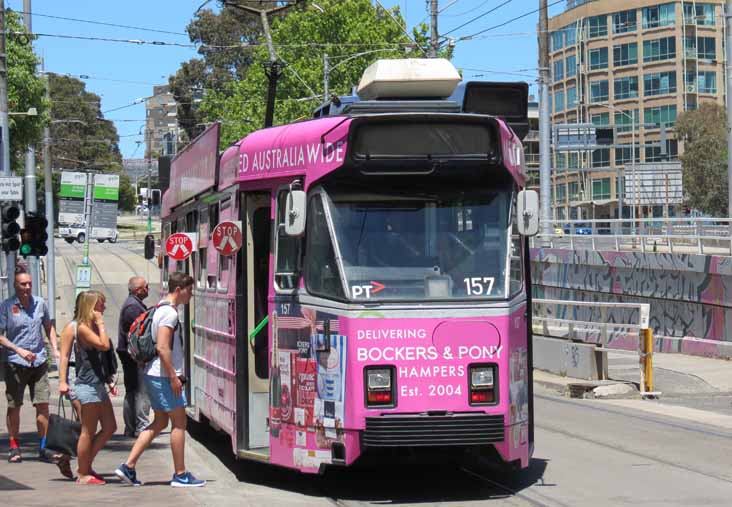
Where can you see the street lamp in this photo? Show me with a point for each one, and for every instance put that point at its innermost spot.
(631, 117)
(32, 111)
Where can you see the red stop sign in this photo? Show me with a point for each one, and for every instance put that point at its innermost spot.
(178, 246)
(227, 238)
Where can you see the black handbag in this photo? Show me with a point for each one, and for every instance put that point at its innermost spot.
(63, 434)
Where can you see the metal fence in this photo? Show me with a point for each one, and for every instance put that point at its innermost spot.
(710, 236)
(589, 324)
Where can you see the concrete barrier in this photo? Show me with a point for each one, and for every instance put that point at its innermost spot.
(570, 359)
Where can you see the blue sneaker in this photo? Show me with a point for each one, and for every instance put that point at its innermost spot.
(186, 480)
(127, 474)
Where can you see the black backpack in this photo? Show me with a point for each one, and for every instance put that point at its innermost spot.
(141, 344)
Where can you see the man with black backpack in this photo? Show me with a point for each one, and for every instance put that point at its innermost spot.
(163, 380)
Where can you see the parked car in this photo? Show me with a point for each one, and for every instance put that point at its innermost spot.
(77, 232)
(579, 228)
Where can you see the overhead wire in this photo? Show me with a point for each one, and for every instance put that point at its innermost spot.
(464, 13)
(468, 37)
(101, 23)
(476, 18)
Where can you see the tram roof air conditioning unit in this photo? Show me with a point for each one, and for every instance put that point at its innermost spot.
(415, 78)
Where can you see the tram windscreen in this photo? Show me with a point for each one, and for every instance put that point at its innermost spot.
(442, 243)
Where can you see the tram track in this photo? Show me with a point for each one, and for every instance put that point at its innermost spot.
(509, 490)
(109, 292)
(676, 424)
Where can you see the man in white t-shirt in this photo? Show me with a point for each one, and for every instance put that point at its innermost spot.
(164, 384)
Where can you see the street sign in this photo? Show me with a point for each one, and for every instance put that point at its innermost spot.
(11, 188)
(227, 237)
(574, 137)
(104, 210)
(71, 198)
(83, 277)
(179, 246)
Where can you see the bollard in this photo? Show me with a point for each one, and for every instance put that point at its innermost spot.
(654, 246)
(645, 346)
(648, 354)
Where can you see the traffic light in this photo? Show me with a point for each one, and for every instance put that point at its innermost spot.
(149, 246)
(34, 238)
(10, 228)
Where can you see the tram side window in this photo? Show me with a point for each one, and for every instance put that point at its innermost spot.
(321, 272)
(166, 271)
(213, 217)
(517, 257)
(203, 225)
(201, 274)
(223, 272)
(287, 253)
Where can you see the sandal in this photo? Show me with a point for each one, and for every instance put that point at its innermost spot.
(14, 456)
(64, 466)
(48, 456)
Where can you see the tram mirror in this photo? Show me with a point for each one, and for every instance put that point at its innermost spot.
(295, 213)
(528, 213)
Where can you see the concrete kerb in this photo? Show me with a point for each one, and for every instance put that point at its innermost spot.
(578, 388)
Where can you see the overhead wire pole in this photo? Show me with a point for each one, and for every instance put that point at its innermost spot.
(728, 67)
(273, 68)
(544, 119)
(31, 202)
(5, 136)
(48, 193)
(434, 42)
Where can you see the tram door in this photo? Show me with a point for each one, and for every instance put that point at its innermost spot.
(258, 228)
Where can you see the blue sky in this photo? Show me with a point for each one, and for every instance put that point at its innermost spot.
(121, 73)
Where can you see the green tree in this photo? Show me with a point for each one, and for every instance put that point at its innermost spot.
(345, 29)
(704, 162)
(25, 90)
(80, 136)
(221, 60)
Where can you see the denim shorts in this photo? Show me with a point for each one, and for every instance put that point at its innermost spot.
(161, 394)
(89, 393)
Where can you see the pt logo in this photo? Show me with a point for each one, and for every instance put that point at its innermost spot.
(366, 291)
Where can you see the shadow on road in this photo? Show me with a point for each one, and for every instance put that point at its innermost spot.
(380, 479)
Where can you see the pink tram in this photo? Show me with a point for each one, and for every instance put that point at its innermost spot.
(380, 297)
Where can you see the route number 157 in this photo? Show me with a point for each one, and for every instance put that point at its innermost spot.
(479, 286)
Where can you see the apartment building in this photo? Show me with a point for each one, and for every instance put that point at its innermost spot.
(161, 123)
(634, 66)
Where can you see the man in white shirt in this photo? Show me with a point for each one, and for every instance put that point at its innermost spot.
(164, 384)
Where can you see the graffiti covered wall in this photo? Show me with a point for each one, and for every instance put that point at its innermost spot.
(690, 295)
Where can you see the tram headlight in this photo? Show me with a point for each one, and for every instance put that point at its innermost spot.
(481, 376)
(379, 383)
(482, 384)
(379, 379)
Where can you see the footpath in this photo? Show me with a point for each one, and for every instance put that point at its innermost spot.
(35, 483)
(691, 387)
